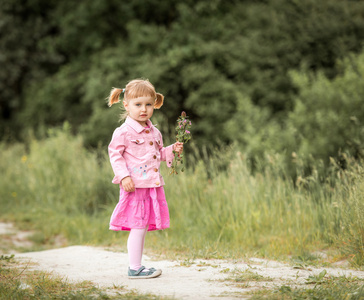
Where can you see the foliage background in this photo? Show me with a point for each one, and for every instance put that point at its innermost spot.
(278, 81)
(267, 74)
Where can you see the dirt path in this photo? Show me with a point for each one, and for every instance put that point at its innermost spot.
(199, 279)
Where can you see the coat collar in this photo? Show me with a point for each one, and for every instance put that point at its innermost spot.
(136, 126)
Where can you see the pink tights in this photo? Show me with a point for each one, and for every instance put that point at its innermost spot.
(135, 247)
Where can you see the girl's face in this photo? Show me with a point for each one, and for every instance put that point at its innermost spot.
(140, 109)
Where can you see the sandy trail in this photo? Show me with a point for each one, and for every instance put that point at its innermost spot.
(202, 279)
(106, 269)
(198, 279)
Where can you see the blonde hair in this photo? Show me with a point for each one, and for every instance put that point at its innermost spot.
(135, 89)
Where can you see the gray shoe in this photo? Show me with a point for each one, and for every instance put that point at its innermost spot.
(139, 274)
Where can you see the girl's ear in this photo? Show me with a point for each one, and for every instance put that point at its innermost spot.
(126, 105)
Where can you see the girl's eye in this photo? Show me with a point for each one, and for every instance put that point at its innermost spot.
(149, 104)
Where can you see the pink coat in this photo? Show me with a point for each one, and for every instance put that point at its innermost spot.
(137, 151)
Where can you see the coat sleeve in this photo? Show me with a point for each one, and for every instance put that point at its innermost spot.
(116, 149)
(166, 152)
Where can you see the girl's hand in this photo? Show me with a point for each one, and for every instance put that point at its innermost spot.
(178, 147)
(128, 184)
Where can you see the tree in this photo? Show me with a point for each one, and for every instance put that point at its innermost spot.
(209, 58)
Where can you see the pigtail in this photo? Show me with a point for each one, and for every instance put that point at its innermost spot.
(114, 96)
(159, 100)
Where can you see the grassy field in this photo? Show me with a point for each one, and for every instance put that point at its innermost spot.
(218, 207)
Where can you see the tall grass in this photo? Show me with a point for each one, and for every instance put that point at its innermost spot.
(57, 187)
(234, 211)
(218, 207)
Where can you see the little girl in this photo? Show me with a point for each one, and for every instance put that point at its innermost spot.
(135, 151)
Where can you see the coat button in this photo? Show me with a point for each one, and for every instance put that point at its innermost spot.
(147, 131)
(157, 183)
(154, 156)
(155, 170)
(150, 143)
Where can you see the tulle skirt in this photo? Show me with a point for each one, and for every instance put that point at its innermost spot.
(139, 209)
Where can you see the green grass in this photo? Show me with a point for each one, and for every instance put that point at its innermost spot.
(218, 207)
(315, 287)
(332, 288)
(247, 275)
(319, 286)
(235, 212)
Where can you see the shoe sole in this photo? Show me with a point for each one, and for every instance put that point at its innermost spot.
(154, 275)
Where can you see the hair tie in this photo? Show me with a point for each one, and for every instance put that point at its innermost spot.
(123, 91)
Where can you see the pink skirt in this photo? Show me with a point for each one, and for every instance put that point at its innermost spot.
(139, 209)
